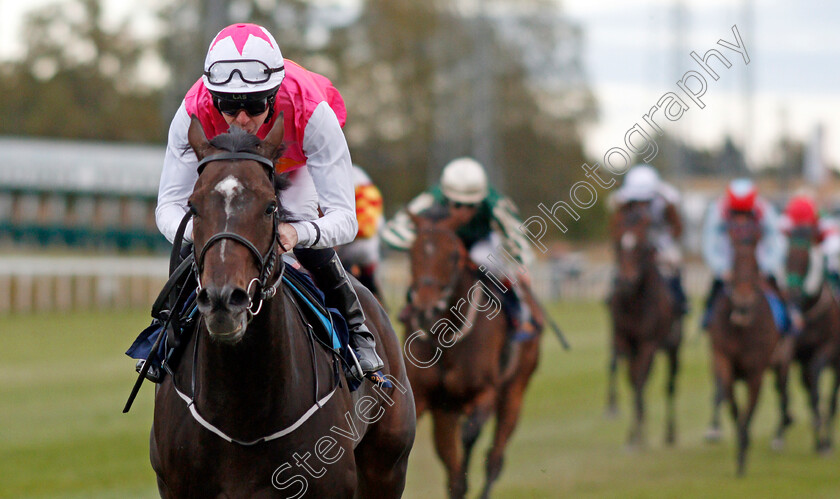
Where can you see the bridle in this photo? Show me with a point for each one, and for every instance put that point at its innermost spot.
(448, 289)
(266, 261)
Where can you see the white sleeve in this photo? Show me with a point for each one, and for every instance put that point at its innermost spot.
(328, 160)
(400, 233)
(177, 179)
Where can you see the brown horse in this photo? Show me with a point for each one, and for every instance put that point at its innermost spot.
(644, 318)
(818, 346)
(461, 365)
(256, 397)
(742, 332)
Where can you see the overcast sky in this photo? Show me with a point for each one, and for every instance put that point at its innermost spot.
(634, 55)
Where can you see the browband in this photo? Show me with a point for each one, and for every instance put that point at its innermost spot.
(235, 155)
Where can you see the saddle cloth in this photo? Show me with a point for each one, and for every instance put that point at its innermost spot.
(327, 324)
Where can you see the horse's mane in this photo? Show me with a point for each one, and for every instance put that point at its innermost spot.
(238, 140)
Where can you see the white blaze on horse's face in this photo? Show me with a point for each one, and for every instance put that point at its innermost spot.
(229, 188)
(628, 241)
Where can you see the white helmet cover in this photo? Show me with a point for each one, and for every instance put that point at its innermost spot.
(243, 58)
(641, 183)
(464, 181)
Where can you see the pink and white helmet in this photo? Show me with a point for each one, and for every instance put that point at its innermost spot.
(243, 58)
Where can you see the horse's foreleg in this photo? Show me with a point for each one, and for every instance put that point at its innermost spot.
(612, 397)
(421, 404)
(507, 413)
(447, 432)
(832, 410)
(723, 382)
(785, 420)
(475, 421)
(753, 388)
(810, 380)
(671, 389)
(640, 366)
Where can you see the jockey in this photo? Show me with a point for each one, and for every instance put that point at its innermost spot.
(742, 197)
(363, 254)
(487, 219)
(643, 186)
(248, 84)
(801, 211)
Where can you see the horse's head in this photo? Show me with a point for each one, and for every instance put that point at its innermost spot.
(437, 259)
(235, 217)
(634, 253)
(797, 264)
(744, 232)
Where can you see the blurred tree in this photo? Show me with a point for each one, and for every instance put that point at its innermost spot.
(78, 79)
(426, 82)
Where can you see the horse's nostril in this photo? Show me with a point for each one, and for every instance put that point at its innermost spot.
(239, 298)
(203, 299)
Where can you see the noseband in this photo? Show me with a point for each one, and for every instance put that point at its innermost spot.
(266, 261)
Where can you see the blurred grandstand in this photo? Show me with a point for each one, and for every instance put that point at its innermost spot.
(79, 195)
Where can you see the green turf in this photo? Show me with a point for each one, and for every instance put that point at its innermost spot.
(64, 379)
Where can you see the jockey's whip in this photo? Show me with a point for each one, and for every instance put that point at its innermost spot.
(143, 371)
(553, 325)
(557, 331)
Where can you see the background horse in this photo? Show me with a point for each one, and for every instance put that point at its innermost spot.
(742, 332)
(456, 348)
(644, 318)
(818, 346)
(259, 397)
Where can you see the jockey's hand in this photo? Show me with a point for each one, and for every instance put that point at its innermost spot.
(288, 236)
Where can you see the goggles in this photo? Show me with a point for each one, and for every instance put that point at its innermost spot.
(249, 71)
(230, 107)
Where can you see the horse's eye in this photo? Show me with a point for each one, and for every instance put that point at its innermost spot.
(192, 209)
(271, 208)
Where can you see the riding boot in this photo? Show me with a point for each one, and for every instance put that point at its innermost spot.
(680, 300)
(338, 290)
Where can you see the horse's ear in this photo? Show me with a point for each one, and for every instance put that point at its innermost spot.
(274, 140)
(417, 220)
(197, 139)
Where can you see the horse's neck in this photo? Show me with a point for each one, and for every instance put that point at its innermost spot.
(745, 268)
(254, 380)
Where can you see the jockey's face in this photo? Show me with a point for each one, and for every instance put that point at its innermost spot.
(245, 121)
(462, 212)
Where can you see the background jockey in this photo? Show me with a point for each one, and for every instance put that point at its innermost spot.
(248, 84)
(487, 220)
(362, 256)
(742, 197)
(643, 186)
(801, 211)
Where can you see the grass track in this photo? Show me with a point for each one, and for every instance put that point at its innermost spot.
(63, 381)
